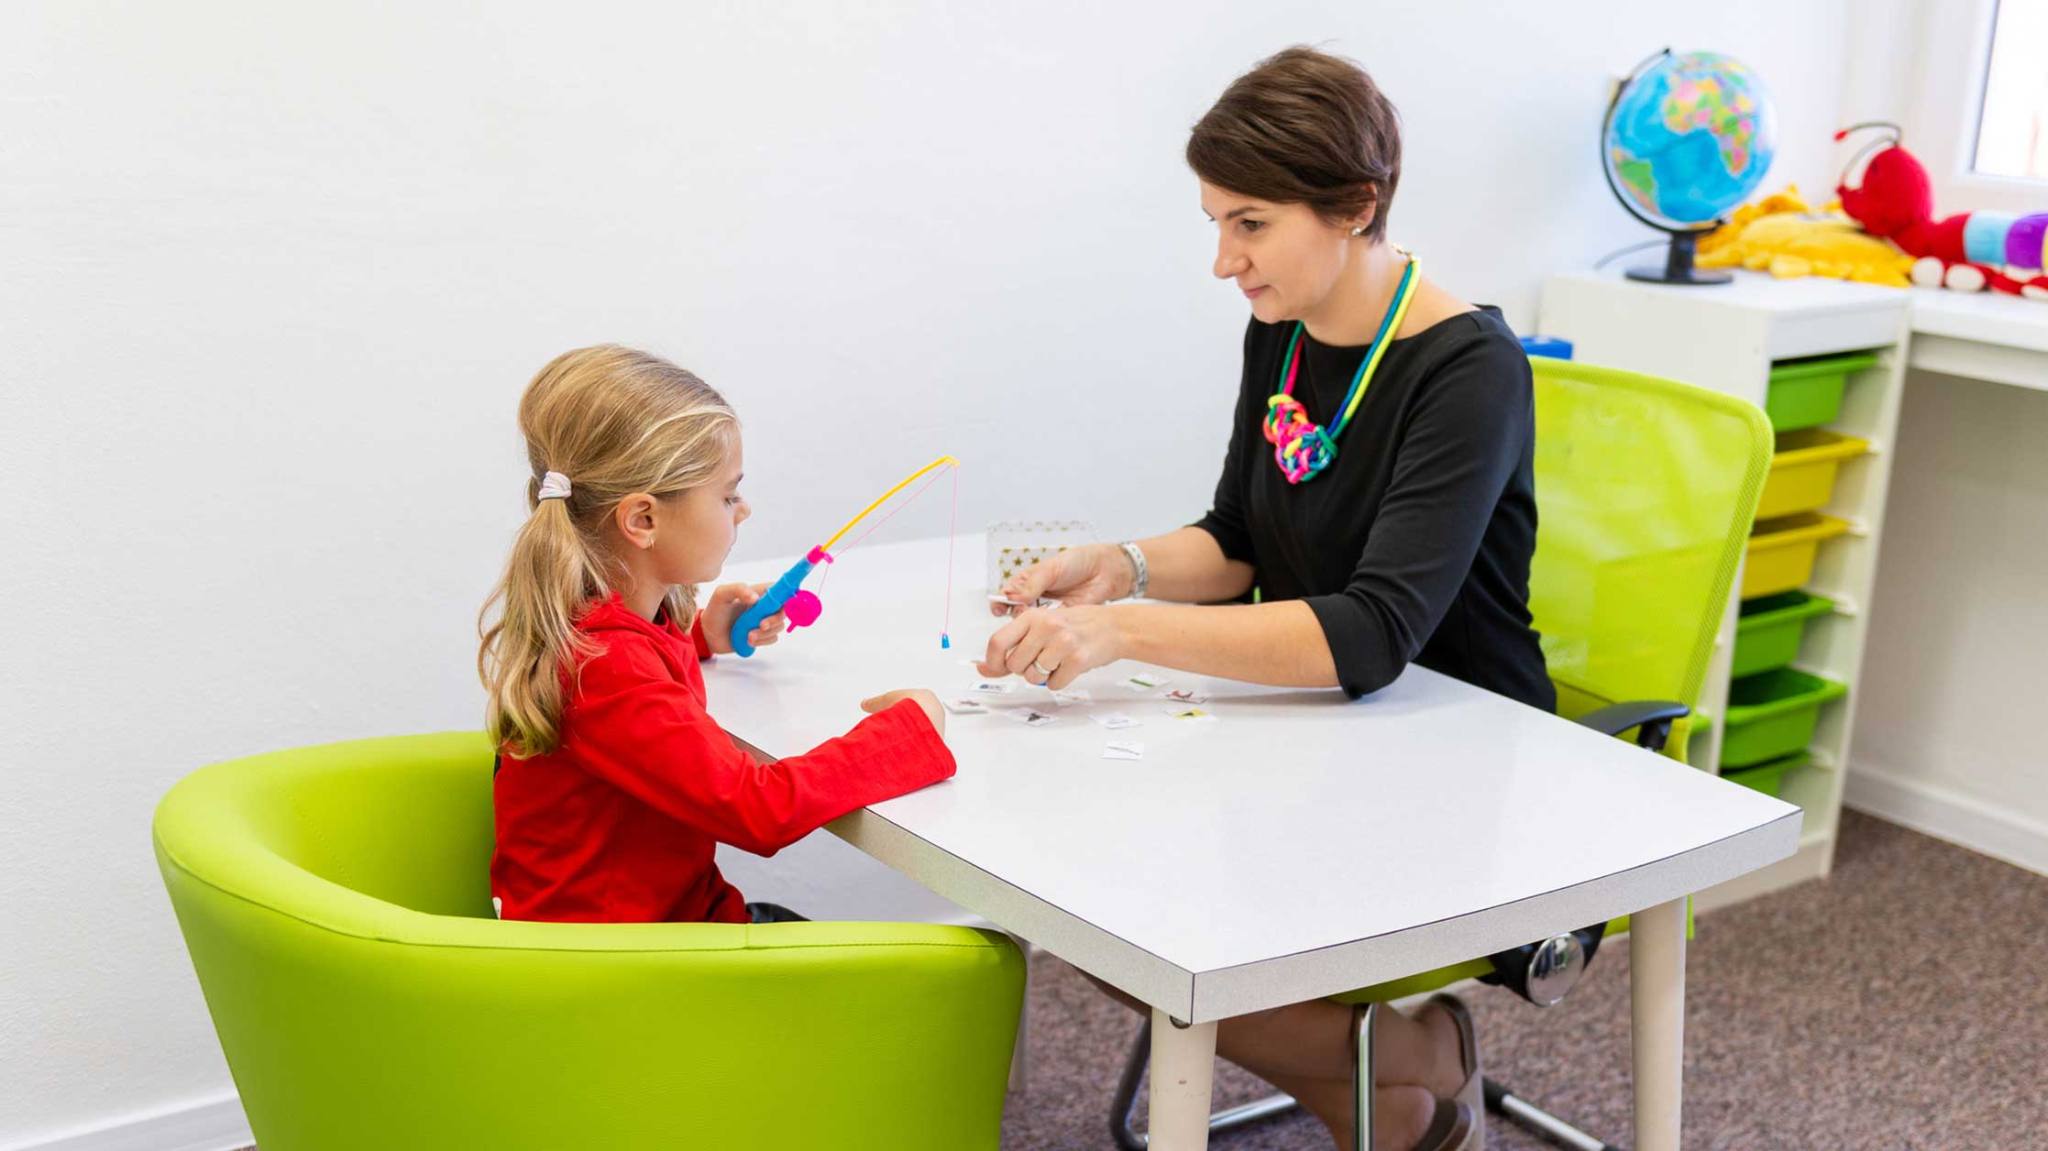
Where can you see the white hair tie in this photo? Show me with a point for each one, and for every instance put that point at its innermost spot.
(553, 486)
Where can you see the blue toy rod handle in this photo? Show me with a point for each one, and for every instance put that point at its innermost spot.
(778, 595)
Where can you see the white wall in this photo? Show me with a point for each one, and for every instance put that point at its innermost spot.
(274, 275)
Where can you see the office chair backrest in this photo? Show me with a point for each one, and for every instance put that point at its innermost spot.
(1645, 490)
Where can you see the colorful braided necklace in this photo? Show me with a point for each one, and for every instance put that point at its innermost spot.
(1300, 445)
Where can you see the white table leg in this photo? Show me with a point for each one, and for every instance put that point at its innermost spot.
(1021, 1052)
(1657, 985)
(1183, 1061)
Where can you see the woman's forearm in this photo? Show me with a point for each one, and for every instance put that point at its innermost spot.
(1272, 643)
(1187, 566)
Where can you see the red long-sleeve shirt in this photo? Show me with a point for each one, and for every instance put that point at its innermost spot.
(619, 822)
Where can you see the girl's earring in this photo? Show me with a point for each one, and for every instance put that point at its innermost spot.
(1358, 231)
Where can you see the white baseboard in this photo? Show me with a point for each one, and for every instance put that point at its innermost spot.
(207, 1124)
(1948, 815)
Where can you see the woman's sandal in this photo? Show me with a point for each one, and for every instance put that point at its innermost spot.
(1450, 1129)
(1471, 1094)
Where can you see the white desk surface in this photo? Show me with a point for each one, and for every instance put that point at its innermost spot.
(1299, 846)
(1980, 335)
(1982, 317)
(1756, 291)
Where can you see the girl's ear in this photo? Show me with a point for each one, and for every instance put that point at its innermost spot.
(635, 519)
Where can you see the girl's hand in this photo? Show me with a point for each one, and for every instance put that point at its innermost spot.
(1053, 647)
(1091, 573)
(726, 604)
(924, 698)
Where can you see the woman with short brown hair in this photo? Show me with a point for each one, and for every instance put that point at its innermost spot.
(1377, 495)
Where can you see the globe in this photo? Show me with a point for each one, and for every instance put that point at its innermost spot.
(1688, 136)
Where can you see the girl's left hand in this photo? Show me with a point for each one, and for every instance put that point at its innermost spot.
(1064, 641)
(726, 603)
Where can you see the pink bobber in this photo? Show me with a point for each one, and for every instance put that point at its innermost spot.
(802, 610)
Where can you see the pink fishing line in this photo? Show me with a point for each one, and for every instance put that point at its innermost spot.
(901, 504)
(952, 542)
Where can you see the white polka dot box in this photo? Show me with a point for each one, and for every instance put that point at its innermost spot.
(1014, 545)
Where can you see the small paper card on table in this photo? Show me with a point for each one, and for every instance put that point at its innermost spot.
(994, 687)
(1146, 681)
(1186, 695)
(1071, 695)
(1123, 749)
(1032, 717)
(1117, 721)
(964, 706)
(1191, 714)
(1013, 604)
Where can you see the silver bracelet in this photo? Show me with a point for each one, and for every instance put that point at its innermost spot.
(1144, 576)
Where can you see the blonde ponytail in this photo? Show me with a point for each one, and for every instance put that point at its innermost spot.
(615, 422)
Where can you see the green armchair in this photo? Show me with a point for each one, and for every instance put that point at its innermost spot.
(335, 902)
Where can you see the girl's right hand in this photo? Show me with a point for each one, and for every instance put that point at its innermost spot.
(925, 699)
(1090, 573)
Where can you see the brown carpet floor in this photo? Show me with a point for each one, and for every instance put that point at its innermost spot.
(1900, 1003)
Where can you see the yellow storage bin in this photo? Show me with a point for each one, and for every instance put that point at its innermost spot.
(1803, 471)
(1781, 552)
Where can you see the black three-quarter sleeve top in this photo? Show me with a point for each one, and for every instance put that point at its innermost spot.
(1414, 543)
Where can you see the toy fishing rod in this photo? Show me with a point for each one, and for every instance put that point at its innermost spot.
(803, 608)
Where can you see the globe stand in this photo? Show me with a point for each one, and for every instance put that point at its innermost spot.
(1678, 266)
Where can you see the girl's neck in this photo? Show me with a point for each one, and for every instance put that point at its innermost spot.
(638, 589)
(1350, 315)
(645, 604)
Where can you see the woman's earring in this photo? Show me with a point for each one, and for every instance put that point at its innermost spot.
(1358, 231)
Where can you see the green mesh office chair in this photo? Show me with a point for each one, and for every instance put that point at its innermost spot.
(335, 903)
(1645, 490)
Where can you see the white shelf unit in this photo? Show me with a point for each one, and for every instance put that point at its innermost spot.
(1727, 338)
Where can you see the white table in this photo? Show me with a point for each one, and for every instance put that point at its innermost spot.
(1981, 336)
(1299, 846)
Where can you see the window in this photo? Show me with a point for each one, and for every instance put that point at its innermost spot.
(1968, 79)
(2012, 127)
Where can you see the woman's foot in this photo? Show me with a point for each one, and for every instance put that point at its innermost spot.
(1401, 1116)
(1447, 1047)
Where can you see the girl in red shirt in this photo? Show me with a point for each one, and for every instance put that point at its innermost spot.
(614, 783)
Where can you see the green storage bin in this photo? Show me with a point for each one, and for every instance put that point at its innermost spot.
(1769, 777)
(1773, 714)
(1806, 393)
(1768, 634)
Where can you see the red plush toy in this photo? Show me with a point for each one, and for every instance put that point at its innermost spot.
(1969, 252)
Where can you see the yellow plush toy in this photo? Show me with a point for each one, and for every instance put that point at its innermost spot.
(1781, 235)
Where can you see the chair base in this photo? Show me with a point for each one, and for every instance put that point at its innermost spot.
(1530, 1117)
(1499, 1100)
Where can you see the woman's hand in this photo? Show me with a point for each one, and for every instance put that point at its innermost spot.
(1088, 574)
(727, 603)
(924, 698)
(1053, 647)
